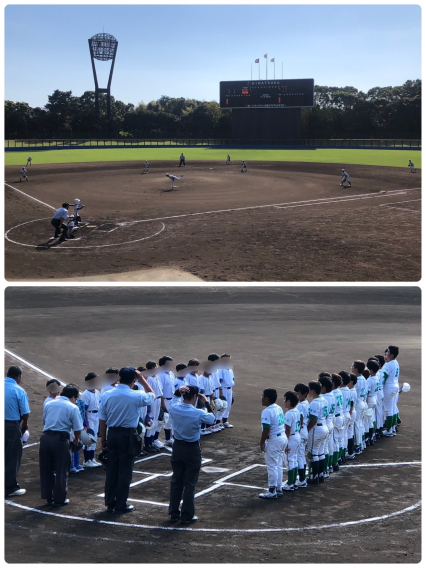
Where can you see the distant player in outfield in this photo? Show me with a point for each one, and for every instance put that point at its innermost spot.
(345, 177)
(173, 178)
(23, 174)
(410, 165)
(145, 169)
(243, 167)
(182, 160)
(29, 160)
(228, 159)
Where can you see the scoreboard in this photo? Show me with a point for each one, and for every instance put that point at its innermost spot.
(274, 93)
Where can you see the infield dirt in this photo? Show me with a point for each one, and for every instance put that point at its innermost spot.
(218, 224)
(277, 337)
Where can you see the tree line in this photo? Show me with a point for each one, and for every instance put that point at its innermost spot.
(382, 112)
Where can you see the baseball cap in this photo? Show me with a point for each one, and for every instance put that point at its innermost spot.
(127, 373)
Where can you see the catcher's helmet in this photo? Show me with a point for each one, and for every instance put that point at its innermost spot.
(405, 387)
(140, 428)
(103, 457)
(88, 437)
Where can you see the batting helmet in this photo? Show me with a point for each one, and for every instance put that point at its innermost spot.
(218, 404)
(405, 387)
(88, 437)
(76, 201)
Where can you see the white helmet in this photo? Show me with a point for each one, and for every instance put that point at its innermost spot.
(76, 201)
(224, 404)
(25, 436)
(87, 437)
(218, 404)
(165, 419)
(405, 387)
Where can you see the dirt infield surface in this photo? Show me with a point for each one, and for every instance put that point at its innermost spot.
(367, 512)
(277, 222)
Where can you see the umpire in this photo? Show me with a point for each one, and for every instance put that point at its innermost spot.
(186, 455)
(61, 421)
(16, 413)
(120, 412)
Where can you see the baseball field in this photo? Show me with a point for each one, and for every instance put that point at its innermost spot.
(286, 219)
(368, 512)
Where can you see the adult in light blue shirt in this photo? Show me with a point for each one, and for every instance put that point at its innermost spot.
(186, 454)
(16, 413)
(120, 411)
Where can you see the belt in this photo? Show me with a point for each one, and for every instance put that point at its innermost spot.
(227, 387)
(168, 399)
(13, 421)
(318, 424)
(121, 429)
(93, 411)
(55, 432)
(185, 443)
(336, 415)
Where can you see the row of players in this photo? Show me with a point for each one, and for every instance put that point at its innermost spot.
(216, 385)
(347, 412)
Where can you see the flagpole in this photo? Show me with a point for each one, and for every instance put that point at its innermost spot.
(251, 71)
(282, 70)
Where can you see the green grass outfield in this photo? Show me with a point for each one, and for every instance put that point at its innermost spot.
(344, 157)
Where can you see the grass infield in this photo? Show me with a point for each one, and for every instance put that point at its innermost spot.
(368, 157)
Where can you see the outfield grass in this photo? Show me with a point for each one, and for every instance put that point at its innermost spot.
(393, 158)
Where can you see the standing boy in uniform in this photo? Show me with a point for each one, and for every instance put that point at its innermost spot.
(390, 388)
(227, 382)
(182, 160)
(361, 393)
(317, 433)
(302, 392)
(327, 386)
(292, 432)
(345, 177)
(92, 398)
(146, 167)
(23, 174)
(273, 442)
(167, 381)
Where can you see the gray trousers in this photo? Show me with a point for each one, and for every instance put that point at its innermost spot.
(12, 455)
(186, 464)
(55, 457)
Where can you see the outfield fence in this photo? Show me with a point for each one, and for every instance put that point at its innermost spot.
(67, 143)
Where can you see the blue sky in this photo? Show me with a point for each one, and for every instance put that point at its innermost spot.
(185, 50)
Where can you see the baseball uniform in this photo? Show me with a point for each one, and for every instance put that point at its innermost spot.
(272, 418)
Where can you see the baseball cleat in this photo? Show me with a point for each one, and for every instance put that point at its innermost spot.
(279, 492)
(268, 495)
(350, 456)
(205, 432)
(17, 492)
(96, 463)
(301, 483)
(73, 470)
(88, 464)
(168, 443)
(157, 444)
(287, 487)
(220, 426)
(227, 425)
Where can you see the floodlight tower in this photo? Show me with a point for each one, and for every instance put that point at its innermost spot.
(103, 47)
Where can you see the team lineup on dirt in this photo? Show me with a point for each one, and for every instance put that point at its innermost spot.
(67, 226)
(325, 423)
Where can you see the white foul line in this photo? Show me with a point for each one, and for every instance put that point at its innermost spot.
(159, 527)
(30, 196)
(31, 366)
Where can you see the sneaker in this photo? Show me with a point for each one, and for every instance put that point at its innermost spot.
(279, 492)
(88, 464)
(79, 467)
(205, 432)
(336, 467)
(185, 522)
(73, 470)
(158, 444)
(301, 483)
(220, 426)
(351, 456)
(387, 434)
(330, 469)
(326, 475)
(227, 425)
(66, 502)
(268, 495)
(169, 443)
(358, 451)
(287, 487)
(17, 492)
(95, 463)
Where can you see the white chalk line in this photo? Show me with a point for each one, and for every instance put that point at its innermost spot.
(388, 464)
(30, 196)
(404, 209)
(31, 366)
(259, 530)
(73, 248)
(29, 445)
(340, 200)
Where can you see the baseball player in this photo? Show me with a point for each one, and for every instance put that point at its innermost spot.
(54, 388)
(351, 427)
(144, 409)
(317, 433)
(29, 160)
(191, 378)
(23, 174)
(92, 399)
(338, 456)
(77, 207)
(372, 390)
(345, 177)
(380, 397)
(347, 408)
(273, 442)
(151, 437)
(178, 381)
(227, 382)
(167, 381)
(174, 178)
(182, 160)
(303, 407)
(243, 167)
(361, 393)
(217, 393)
(410, 165)
(292, 432)
(325, 380)
(390, 389)
(206, 388)
(228, 159)
(111, 377)
(146, 167)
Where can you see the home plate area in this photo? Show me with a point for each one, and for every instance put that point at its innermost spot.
(227, 498)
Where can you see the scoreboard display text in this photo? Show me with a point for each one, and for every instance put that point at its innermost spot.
(274, 93)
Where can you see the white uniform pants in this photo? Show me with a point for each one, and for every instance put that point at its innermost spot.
(389, 400)
(218, 414)
(379, 409)
(359, 423)
(293, 447)
(396, 397)
(155, 410)
(372, 403)
(274, 455)
(328, 446)
(338, 433)
(351, 425)
(346, 420)
(169, 424)
(301, 452)
(227, 393)
(93, 423)
(316, 441)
